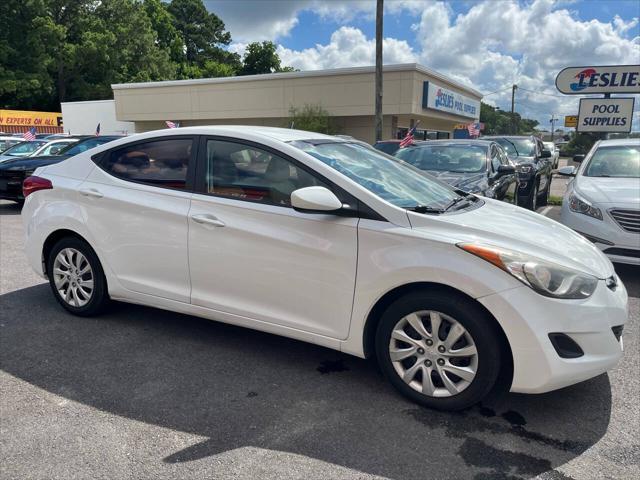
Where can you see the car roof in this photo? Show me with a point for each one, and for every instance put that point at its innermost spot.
(619, 141)
(455, 141)
(275, 133)
(508, 136)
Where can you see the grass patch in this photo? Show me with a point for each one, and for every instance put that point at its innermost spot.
(554, 200)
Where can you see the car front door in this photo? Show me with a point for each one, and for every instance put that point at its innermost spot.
(252, 255)
(136, 203)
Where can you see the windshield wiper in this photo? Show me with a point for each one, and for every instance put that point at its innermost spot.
(456, 201)
(425, 209)
(514, 146)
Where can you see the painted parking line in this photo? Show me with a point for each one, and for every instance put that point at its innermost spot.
(545, 210)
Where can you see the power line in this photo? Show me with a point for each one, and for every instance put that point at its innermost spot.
(537, 92)
(497, 91)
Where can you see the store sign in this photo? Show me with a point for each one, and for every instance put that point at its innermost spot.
(605, 115)
(30, 119)
(445, 100)
(607, 79)
(571, 121)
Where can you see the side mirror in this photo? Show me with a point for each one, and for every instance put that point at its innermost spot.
(578, 158)
(506, 170)
(315, 200)
(545, 153)
(568, 171)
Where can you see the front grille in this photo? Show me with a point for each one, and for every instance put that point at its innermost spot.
(629, 220)
(617, 331)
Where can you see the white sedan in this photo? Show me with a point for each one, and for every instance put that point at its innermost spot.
(603, 199)
(327, 241)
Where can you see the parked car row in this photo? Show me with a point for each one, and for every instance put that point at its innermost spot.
(330, 241)
(18, 162)
(517, 169)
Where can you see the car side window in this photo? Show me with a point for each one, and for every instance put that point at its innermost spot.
(244, 172)
(495, 159)
(161, 163)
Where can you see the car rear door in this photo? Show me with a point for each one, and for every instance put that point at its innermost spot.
(252, 255)
(136, 204)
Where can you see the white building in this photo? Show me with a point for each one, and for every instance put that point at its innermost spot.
(82, 118)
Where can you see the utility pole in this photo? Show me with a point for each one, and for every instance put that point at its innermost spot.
(513, 106)
(553, 125)
(379, 11)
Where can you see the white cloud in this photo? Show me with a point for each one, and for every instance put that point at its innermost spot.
(348, 47)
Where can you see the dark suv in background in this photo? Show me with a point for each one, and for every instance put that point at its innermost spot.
(13, 172)
(533, 165)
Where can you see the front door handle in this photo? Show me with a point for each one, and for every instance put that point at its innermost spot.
(207, 220)
(91, 192)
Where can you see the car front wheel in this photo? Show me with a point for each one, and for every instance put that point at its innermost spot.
(76, 277)
(439, 350)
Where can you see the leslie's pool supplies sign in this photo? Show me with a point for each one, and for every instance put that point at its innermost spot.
(603, 79)
(605, 115)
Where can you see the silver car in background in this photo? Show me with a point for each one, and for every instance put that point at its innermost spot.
(602, 201)
(555, 153)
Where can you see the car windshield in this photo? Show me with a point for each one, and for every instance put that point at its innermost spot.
(618, 161)
(389, 178)
(522, 147)
(83, 146)
(24, 148)
(549, 146)
(447, 158)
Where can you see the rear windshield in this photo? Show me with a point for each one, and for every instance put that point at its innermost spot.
(618, 161)
(387, 147)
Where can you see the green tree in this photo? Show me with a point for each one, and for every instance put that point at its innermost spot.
(162, 22)
(25, 38)
(499, 122)
(312, 118)
(262, 58)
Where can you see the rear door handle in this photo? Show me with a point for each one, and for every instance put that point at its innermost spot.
(91, 192)
(207, 220)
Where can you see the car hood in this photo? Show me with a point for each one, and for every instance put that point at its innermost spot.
(458, 179)
(609, 189)
(521, 159)
(31, 163)
(503, 225)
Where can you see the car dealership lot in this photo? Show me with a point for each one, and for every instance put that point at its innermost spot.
(143, 393)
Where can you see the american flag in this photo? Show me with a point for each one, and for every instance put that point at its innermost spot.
(98, 130)
(408, 139)
(474, 129)
(30, 134)
(171, 124)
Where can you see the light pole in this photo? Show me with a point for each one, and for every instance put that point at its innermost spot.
(378, 103)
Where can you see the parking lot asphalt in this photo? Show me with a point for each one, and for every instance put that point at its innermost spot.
(140, 393)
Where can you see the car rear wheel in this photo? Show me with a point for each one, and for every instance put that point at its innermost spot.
(439, 350)
(76, 277)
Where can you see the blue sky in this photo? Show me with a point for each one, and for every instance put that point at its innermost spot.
(487, 44)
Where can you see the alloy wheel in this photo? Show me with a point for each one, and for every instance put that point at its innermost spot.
(433, 353)
(73, 277)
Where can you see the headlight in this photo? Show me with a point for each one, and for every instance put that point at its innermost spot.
(580, 205)
(524, 169)
(544, 277)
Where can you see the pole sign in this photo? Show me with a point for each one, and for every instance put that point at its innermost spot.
(571, 121)
(604, 79)
(605, 115)
(445, 100)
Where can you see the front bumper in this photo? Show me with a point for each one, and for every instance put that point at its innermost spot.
(619, 245)
(528, 318)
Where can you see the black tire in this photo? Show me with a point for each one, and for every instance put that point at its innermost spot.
(99, 298)
(531, 200)
(481, 328)
(543, 201)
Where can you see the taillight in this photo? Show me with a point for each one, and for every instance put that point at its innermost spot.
(33, 184)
